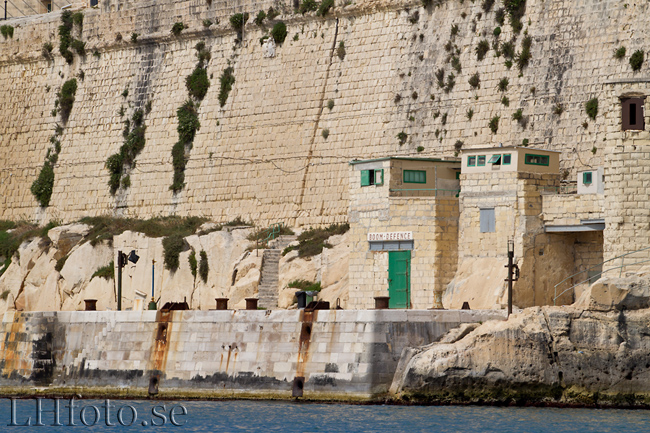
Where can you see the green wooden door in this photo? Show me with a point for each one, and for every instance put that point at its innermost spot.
(399, 279)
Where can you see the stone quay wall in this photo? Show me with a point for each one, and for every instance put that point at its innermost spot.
(340, 354)
(263, 155)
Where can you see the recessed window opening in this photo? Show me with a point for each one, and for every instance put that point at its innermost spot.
(415, 176)
(536, 159)
(633, 117)
(471, 161)
(506, 159)
(372, 177)
(587, 177)
(481, 160)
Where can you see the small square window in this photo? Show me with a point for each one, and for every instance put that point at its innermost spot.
(587, 177)
(506, 159)
(481, 160)
(495, 159)
(471, 161)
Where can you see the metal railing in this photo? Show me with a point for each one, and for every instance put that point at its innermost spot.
(273, 231)
(600, 273)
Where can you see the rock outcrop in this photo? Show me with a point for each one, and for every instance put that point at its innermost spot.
(550, 355)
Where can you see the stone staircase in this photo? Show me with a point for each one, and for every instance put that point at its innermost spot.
(268, 288)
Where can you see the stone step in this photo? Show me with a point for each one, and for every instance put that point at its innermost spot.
(268, 287)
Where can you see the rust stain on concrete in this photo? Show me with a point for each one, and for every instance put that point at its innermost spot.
(307, 319)
(15, 350)
(161, 344)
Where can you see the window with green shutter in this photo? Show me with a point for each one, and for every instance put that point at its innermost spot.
(587, 178)
(495, 159)
(480, 160)
(415, 176)
(372, 177)
(471, 161)
(507, 158)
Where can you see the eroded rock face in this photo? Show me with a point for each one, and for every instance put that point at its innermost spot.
(629, 293)
(559, 354)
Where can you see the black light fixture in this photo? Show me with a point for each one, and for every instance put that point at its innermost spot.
(122, 261)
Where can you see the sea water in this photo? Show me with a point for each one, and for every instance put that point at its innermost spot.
(265, 416)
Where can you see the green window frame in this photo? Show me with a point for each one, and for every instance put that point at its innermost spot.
(480, 160)
(471, 161)
(494, 159)
(372, 177)
(507, 158)
(532, 159)
(587, 177)
(415, 176)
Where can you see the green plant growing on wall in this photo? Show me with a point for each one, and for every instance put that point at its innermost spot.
(594, 150)
(469, 114)
(307, 6)
(636, 60)
(494, 124)
(326, 133)
(259, 19)
(197, 82)
(474, 81)
(340, 51)
(134, 142)
(66, 97)
(508, 49)
(272, 13)
(591, 108)
(47, 50)
(172, 247)
(78, 20)
(204, 269)
(458, 145)
(524, 142)
(226, 80)
(454, 30)
(65, 36)
(330, 104)
(455, 63)
(619, 53)
(134, 37)
(443, 119)
(420, 148)
(107, 272)
(500, 16)
(503, 84)
(194, 265)
(207, 22)
(487, 5)
(279, 32)
(324, 7)
(42, 187)
(7, 31)
(505, 101)
(78, 46)
(524, 56)
(177, 28)
(188, 124)
(518, 115)
(451, 82)
(496, 32)
(482, 48)
(440, 78)
(401, 137)
(558, 109)
(515, 10)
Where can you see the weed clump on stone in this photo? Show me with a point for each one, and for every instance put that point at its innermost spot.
(330, 104)
(558, 109)
(487, 5)
(440, 78)
(259, 19)
(503, 84)
(508, 49)
(591, 108)
(65, 36)
(324, 7)
(279, 32)
(340, 51)
(307, 6)
(636, 60)
(7, 31)
(107, 272)
(47, 50)
(420, 148)
(311, 242)
(66, 97)
(402, 136)
(619, 53)
(207, 22)
(42, 187)
(326, 133)
(173, 246)
(194, 264)
(272, 13)
(197, 83)
(134, 142)
(475, 81)
(494, 124)
(451, 82)
(482, 48)
(524, 56)
(134, 37)
(177, 28)
(204, 269)
(518, 115)
(226, 80)
(78, 46)
(469, 114)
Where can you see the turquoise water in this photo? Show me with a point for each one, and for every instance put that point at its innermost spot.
(257, 416)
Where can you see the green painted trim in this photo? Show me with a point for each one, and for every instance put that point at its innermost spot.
(548, 159)
(402, 158)
(585, 175)
(509, 159)
(494, 158)
(473, 159)
(415, 173)
(478, 161)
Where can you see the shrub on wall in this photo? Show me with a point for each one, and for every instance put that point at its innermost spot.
(482, 48)
(134, 142)
(197, 83)
(474, 81)
(307, 6)
(177, 28)
(591, 107)
(7, 31)
(259, 19)
(204, 269)
(494, 124)
(324, 7)
(226, 80)
(279, 32)
(66, 97)
(193, 263)
(172, 247)
(619, 53)
(636, 60)
(43, 185)
(238, 20)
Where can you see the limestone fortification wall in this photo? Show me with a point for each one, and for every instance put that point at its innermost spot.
(340, 354)
(263, 154)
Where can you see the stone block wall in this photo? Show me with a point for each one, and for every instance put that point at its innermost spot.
(569, 209)
(341, 354)
(263, 155)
